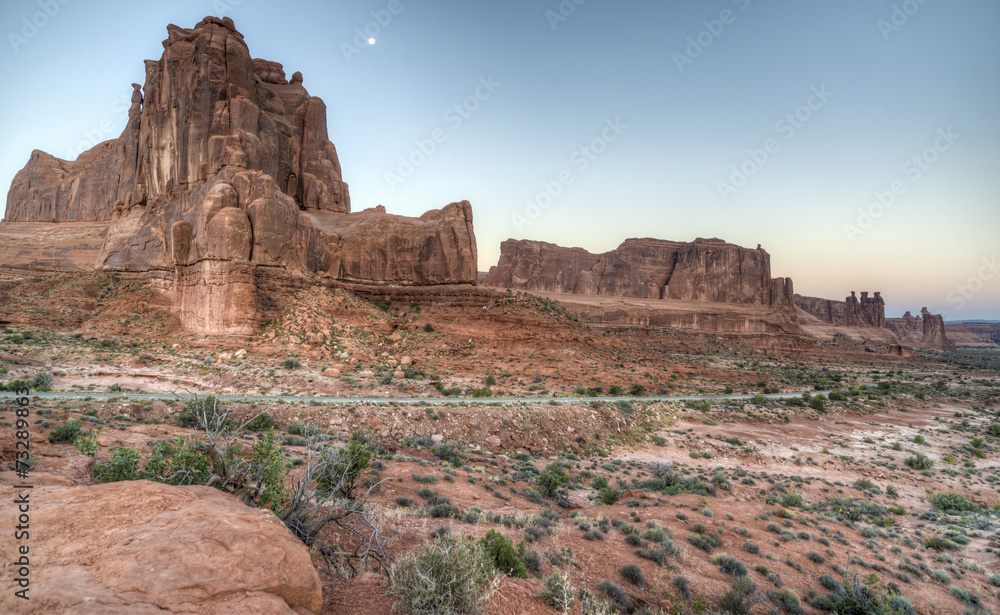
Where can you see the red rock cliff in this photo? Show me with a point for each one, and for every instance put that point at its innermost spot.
(225, 165)
(706, 270)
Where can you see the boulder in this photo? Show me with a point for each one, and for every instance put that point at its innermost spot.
(143, 547)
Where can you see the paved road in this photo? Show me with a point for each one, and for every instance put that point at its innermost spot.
(103, 396)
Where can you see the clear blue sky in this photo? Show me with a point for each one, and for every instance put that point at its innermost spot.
(882, 89)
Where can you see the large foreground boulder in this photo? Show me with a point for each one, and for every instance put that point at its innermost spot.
(142, 547)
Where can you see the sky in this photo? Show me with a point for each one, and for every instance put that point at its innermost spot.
(857, 140)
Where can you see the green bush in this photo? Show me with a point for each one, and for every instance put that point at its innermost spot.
(994, 430)
(291, 364)
(551, 479)
(260, 422)
(123, 465)
(86, 443)
(557, 591)
(920, 462)
(447, 575)
(501, 552)
(428, 328)
(67, 432)
(741, 597)
(616, 594)
(952, 503)
(482, 392)
(633, 574)
(818, 403)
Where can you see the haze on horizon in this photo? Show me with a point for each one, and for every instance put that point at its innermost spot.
(856, 141)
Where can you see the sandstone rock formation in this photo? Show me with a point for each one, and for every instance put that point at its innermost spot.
(962, 335)
(926, 331)
(142, 547)
(225, 168)
(866, 312)
(706, 270)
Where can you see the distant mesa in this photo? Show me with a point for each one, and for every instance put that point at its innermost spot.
(223, 183)
(705, 270)
(705, 285)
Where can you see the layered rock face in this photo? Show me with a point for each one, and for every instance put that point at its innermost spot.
(224, 167)
(926, 331)
(852, 312)
(706, 270)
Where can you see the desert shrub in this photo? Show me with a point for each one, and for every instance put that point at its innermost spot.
(86, 443)
(532, 561)
(616, 594)
(633, 574)
(938, 543)
(705, 542)
(447, 575)
(920, 462)
(741, 598)
(67, 432)
(261, 422)
(656, 555)
(551, 479)
(791, 500)
(482, 392)
(750, 547)
(829, 582)
(994, 430)
(557, 591)
(291, 364)
(501, 552)
(732, 567)
(42, 381)
(123, 465)
(404, 502)
(815, 557)
(818, 403)
(428, 328)
(790, 600)
(965, 596)
(952, 503)
(609, 496)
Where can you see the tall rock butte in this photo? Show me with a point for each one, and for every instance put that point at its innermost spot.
(225, 179)
(705, 270)
(926, 331)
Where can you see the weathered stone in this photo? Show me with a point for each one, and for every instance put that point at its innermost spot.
(706, 270)
(868, 312)
(926, 331)
(142, 547)
(223, 159)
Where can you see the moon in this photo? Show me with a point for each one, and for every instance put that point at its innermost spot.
(371, 41)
